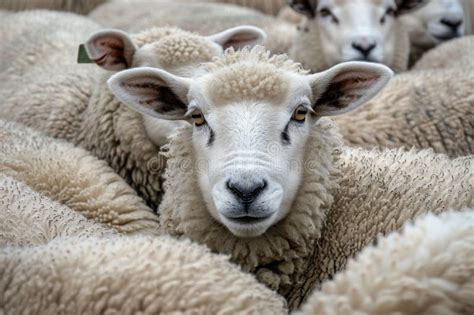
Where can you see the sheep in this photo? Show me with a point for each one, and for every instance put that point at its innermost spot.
(422, 109)
(23, 39)
(202, 17)
(433, 24)
(56, 261)
(81, 7)
(72, 177)
(335, 31)
(453, 54)
(74, 103)
(262, 177)
(428, 268)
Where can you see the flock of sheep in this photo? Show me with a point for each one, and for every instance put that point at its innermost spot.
(237, 157)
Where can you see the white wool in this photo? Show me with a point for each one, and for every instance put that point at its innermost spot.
(427, 268)
(72, 177)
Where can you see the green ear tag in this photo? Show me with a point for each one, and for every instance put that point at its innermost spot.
(82, 56)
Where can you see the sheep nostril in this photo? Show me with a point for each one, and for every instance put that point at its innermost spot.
(364, 49)
(452, 24)
(246, 194)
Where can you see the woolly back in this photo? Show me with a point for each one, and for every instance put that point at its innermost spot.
(277, 256)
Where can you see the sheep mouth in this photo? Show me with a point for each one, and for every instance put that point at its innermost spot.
(248, 220)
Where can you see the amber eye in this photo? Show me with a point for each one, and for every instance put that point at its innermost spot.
(324, 12)
(198, 119)
(390, 12)
(299, 114)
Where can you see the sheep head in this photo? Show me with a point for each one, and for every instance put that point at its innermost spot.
(252, 116)
(172, 49)
(438, 21)
(167, 48)
(351, 30)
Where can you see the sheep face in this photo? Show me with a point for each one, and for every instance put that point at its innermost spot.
(438, 21)
(251, 122)
(177, 51)
(350, 30)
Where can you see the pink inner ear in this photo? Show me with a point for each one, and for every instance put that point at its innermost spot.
(238, 40)
(355, 80)
(143, 88)
(345, 89)
(110, 52)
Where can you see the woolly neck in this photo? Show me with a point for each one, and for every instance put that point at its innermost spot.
(278, 256)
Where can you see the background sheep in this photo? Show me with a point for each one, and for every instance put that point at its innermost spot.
(453, 54)
(72, 177)
(283, 197)
(336, 31)
(351, 31)
(41, 37)
(204, 18)
(77, 6)
(428, 268)
(434, 23)
(74, 103)
(421, 109)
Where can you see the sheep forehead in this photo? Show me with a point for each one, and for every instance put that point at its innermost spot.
(247, 81)
(169, 47)
(249, 74)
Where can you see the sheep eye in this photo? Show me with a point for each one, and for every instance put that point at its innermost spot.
(324, 12)
(390, 12)
(198, 119)
(299, 114)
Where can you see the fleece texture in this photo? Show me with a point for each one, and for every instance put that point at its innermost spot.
(307, 47)
(347, 197)
(427, 268)
(203, 18)
(28, 218)
(41, 37)
(271, 7)
(127, 275)
(421, 109)
(74, 178)
(81, 7)
(452, 54)
(54, 261)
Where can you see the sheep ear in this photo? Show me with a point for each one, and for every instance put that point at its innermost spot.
(305, 7)
(111, 49)
(152, 92)
(347, 86)
(405, 6)
(239, 37)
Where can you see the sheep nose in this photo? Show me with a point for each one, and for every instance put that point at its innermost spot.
(364, 47)
(452, 24)
(246, 194)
